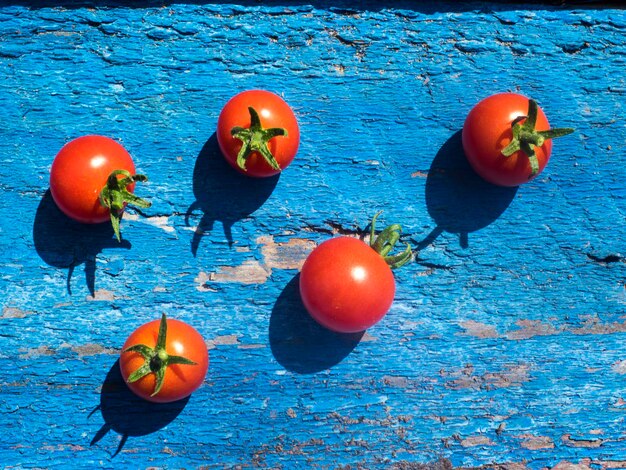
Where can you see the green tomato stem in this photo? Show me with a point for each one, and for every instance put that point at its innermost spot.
(115, 196)
(385, 242)
(526, 138)
(256, 139)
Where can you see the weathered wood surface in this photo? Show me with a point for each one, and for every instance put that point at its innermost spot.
(504, 345)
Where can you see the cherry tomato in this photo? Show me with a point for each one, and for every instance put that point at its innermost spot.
(258, 133)
(506, 138)
(164, 360)
(92, 179)
(346, 285)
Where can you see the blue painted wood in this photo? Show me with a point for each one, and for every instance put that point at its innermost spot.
(504, 344)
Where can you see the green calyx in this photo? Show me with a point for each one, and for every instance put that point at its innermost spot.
(385, 241)
(157, 359)
(115, 196)
(526, 137)
(255, 139)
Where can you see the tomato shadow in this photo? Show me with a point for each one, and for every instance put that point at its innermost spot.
(298, 342)
(128, 415)
(222, 194)
(64, 243)
(457, 198)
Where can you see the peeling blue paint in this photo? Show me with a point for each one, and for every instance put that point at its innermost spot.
(504, 344)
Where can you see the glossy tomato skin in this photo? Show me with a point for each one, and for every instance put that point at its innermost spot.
(180, 379)
(80, 171)
(273, 112)
(487, 130)
(346, 286)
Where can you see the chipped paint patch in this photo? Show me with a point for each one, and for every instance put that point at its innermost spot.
(511, 466)
(367, 337)
(584, 443)
(62, 448)
(530, 329)
(441, 464)
(31, 353)
(249, 272)
(512, 376)
(610, 463)
(89, 349)
(619, 367)
(475, 441)
(583, 465)
(13, 312)
(102, 294)
(290, 255)
(620, 402)
(527, 329)
(252, 346)
(161, 222)
(202, 281)
(532, 442)
(396, 381)
(225, 340)
(593, 326)
(92, 349)
(478, 329)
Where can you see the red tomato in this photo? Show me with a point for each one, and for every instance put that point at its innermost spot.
(258, 133)
(164, 360)
(80, 172)
(346, 286)
(497, 124)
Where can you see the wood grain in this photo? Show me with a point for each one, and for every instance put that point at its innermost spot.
(504, 345)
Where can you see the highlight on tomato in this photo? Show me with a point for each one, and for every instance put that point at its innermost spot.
(347, 285)
(164, 360)
(507, 139)
(258, 133)
(92, 179)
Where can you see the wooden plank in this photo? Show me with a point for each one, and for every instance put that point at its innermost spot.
(504, 344)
